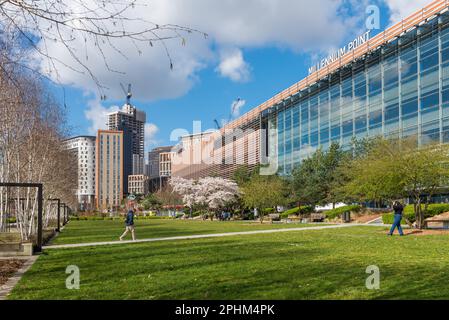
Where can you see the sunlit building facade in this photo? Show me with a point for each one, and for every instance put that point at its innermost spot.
(398, 90)
(109, 170)
(83, 149)
(138, 184)
(394, 84)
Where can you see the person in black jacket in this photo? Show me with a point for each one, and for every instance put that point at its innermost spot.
(398, 210)
(129, 224)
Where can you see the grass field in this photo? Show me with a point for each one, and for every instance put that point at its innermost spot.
(320, 264)
(107, 230)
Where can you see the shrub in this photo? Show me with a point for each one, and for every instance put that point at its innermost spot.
(249, 216)
(436, 209)
(11, 220)
(409, 212)
(297, 211)
(153, 218)
(116, 218)
(268, 210)
(334, 213)
(388, 218)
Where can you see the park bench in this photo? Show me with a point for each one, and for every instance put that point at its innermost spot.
(444, 221)
(317, 217)
(274, 217)
(294, 217)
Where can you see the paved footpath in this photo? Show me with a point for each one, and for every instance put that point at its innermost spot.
(216, 235)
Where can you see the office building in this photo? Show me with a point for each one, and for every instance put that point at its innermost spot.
(138, 184)
(83, 148)
(159, 167)
(131, 121)
(109, 170)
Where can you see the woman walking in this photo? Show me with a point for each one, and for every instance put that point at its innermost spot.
(398, 210)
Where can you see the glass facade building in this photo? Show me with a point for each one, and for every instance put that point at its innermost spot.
(397, 90)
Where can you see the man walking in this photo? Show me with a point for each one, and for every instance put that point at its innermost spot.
(129, 224)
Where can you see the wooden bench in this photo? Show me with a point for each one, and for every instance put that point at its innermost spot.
(274, 217)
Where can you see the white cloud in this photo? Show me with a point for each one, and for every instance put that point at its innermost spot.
(236, 106)
(233, 66)
(401, 9)
(151, 131)
(298, 25)
(98, 116)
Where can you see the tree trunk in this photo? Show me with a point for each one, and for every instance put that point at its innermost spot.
(419, 213)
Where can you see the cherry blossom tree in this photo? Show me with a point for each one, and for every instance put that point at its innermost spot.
(211, 194)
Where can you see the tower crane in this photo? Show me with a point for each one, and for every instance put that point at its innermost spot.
(233, 108)
(128, 93)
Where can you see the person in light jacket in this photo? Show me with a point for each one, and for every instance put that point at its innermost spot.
(129, 225)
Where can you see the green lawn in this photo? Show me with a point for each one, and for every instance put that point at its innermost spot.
(107, 230)
(324, 264)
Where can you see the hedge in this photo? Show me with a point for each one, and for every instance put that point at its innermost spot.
(156, 217)
(409, 212)
(388, 218)
(92, 218)
(297, 211)
(116, 218)
(334, 213)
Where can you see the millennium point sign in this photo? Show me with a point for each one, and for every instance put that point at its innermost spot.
(341, 52)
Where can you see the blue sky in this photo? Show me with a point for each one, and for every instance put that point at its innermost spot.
(206, 92)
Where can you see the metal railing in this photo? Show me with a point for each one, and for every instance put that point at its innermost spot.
(9, 211)
(39, 198)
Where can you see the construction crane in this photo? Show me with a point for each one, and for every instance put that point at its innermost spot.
(127, 93)
(234, 106)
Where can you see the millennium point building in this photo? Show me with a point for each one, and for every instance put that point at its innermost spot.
(110, 182)
(395, 84)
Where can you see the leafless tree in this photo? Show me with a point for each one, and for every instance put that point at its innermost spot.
(31, 134)
(30, 25)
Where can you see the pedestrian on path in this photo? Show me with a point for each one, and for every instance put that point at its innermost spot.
(129, 224)
(398, 210)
